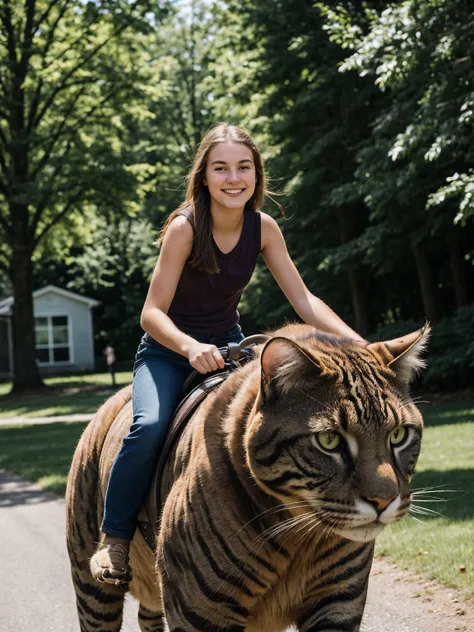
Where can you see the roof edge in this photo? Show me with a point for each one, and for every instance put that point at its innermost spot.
(91, 302)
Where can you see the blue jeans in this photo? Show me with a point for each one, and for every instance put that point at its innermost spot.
(158, 377)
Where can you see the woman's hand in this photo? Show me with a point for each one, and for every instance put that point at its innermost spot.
(205, 358)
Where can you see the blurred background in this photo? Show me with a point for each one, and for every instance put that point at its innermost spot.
(364, 112)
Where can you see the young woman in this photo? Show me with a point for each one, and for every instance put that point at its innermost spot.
(209, 247)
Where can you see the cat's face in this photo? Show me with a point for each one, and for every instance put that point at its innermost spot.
(334, 436)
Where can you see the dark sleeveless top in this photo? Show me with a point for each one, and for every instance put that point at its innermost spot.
(207, 303)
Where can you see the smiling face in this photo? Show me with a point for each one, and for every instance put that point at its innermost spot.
(230, 175)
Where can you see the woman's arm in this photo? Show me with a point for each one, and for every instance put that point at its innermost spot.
(310, 308)
(175, 250)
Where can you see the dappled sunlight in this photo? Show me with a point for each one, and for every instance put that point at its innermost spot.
(68, 395)
(40, 453)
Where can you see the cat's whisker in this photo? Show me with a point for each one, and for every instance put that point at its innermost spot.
(426, 511)
(287, 524)
(434, 500)
(302, 527)
(310, 530)
(279, 528)
(298, 504)
(437, 491)
(417, 519)
(417, 400)
(422, 496)
(306, 394)
(402, 405)
(331, 525)
(285, 529)
(436, 488)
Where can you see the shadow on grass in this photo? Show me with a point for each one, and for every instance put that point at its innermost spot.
(56, 403)
(437, 414)
(40, 452)
(16, 491)
(453, 488)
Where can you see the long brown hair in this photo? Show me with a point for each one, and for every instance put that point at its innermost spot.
(198, 201)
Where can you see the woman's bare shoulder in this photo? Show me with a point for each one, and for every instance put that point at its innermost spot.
(180, 231)
(270, 229)
(268, 221)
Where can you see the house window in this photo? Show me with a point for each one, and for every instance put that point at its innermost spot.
(52, 340)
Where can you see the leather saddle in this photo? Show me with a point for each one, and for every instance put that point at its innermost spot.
(196, 388)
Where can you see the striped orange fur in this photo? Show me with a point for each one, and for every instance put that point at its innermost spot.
(274, 494)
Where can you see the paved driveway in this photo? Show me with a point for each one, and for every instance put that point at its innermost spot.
(37, 593)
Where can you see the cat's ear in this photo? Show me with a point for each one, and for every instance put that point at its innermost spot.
(284, 365)
(403, 355)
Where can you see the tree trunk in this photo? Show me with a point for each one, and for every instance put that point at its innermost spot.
(359, 301)
(425, 279)
(355, 276)
(25, 371)
(458, 269)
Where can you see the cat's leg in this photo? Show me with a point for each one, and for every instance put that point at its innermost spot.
(99, 606)
(207, 628)
(178, 625)
(336, 594)
(337, 612)
(150, 621)
(189, 621)
(184, 617)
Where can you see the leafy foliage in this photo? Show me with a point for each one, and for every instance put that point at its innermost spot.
(67, 87)
(363, 111)
(115, 267)
(450, 359)
(421, 52)
(367, 107)
(75, 68)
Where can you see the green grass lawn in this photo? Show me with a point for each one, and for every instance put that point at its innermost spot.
(40, 452)
(441, 547)
(68, 395)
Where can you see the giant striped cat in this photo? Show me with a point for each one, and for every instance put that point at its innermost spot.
(274, 495)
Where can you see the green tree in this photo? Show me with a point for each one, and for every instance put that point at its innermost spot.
(185, 92)
(189, 55)
(315, 119)
(68, 78)
(419, 53)
(116, 267)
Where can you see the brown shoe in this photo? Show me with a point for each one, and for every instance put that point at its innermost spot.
(110, 564)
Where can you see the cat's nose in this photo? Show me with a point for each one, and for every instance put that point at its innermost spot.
(381, 503)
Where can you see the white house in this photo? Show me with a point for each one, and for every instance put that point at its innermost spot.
(63, 328)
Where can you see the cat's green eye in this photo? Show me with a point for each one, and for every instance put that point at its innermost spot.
(329, 440)
(398, 435)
